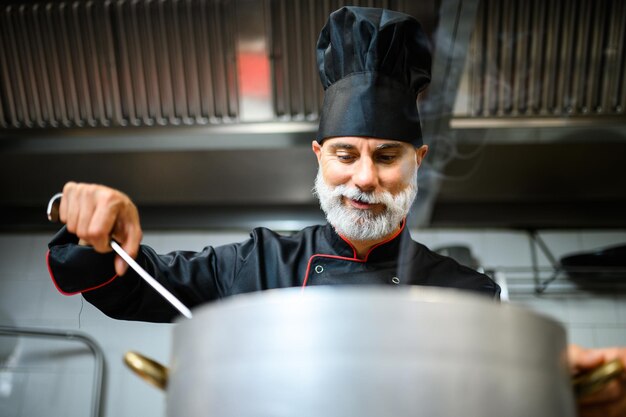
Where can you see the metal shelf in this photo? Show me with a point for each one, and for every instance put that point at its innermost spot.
(97, 407)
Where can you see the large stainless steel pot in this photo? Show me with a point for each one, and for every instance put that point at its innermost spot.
(355, 351)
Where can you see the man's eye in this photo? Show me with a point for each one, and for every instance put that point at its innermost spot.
(345, 157)
(386, 158)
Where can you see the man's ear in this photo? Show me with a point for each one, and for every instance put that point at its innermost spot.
(317, 148)
(420, 154)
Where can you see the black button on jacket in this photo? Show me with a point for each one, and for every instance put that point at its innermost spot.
(316, 255)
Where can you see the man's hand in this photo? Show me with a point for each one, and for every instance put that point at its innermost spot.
(611, 400)
(96, 214)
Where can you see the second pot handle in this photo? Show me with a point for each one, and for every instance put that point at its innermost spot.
(596, 379)
(148, 369)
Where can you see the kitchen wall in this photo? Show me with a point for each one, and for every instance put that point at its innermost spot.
(46, 378)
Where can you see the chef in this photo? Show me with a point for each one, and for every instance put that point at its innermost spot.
(372, 63)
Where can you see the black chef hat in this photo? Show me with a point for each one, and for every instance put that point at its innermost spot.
(372, 63)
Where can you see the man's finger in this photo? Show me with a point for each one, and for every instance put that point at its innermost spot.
(85, 213)
(120, 266)
(68, 195)
(100, 228)
(612, 391)
(127, 233)
(132, 241)
(129, 241)
(584, 359)
(606, 409)
(71, 208)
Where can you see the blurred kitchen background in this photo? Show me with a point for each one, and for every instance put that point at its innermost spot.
(203, 112)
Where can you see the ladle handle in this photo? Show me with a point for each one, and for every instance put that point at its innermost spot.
(147, 369)
(594, 380)
(53, 208)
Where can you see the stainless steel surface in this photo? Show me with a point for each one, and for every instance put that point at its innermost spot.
(153, 98)
(52, 210)
(368, 352)
(548, 122)
(170, 62)
(558, 58)
(99, 373)
(118, 63)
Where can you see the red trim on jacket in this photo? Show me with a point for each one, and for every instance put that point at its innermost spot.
(354, 258)
(54, 281)
(321, 255)
(395, 235)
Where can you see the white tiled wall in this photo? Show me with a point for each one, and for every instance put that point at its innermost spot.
(54, 378)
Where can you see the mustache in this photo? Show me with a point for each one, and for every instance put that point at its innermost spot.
(353, 193)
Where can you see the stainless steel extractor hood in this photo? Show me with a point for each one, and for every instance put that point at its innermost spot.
(204, 110)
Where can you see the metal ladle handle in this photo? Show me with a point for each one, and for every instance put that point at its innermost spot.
(53, 208)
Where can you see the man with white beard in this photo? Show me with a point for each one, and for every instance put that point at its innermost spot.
(372, 63)
(366, 199)
(362, 223)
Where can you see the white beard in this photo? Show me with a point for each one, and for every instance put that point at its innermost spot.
(363, 225)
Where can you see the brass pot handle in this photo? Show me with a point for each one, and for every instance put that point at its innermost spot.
(594, 380)
(148, 369)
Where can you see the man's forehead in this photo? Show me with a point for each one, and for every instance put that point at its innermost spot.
(354, 142)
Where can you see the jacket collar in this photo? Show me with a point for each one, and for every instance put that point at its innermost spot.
(384, 251)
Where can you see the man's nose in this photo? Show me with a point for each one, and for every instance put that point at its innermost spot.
(365, 176)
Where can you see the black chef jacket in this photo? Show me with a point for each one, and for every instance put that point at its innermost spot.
(316, 255)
